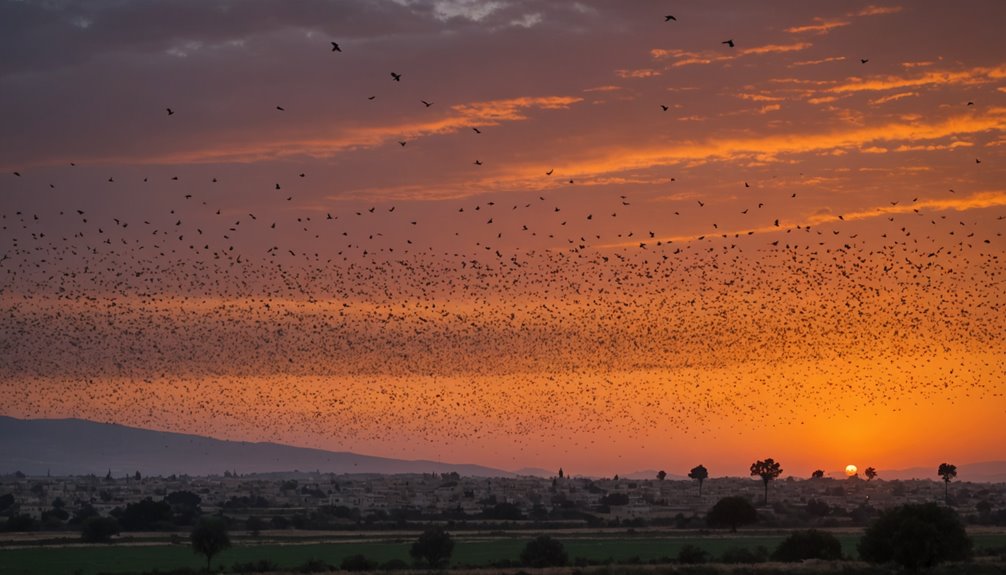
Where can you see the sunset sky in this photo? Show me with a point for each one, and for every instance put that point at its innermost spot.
(571, 234)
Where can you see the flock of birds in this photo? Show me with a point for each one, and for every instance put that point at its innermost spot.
(353, 327)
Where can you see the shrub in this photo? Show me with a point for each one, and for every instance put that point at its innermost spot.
(319, 566)
(394, 565)
(434, 546)
(731, 512)
(810, 544)
(744, 555)
(260, 566)
(357, 562)
(98, 529)
(692, 555)
(543, 551)
(916, 536)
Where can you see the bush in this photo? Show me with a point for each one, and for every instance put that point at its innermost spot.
(731, 512)
(916, 536)
(260, 566)
(319, 566)
(543, 551)
(357, 562)
(394, 565)
(744, 555)
(99, 529)
(810, 544)
(434, 546)
(692, 555)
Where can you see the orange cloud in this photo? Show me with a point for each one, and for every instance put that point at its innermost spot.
(461, 117)
(821, 27)
(893, 98)
(965, 77)
(879, 10)
(821, 61)
(641, 73)
(685, 58)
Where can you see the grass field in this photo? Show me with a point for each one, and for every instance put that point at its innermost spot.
(111, 559)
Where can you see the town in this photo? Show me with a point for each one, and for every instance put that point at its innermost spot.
(316, 501)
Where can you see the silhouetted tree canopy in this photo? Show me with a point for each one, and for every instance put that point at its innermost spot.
(434, 546)
(146, 515)
(768, 470)
(661, 475)
(543, 551)
(732, 512)
(810, 544)
(870, 473)
(98, 529)
(916, 536)
(210, 537)
(692, 555)
(818, 474)
(699, 473)
(948, 472)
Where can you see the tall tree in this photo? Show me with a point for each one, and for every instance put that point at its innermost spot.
(948, 472)
(434, 546)
(661, 475)
(818, 474)
(210, 538)
(699, 473)
(870, 473)
(768, 470)
(731, 512)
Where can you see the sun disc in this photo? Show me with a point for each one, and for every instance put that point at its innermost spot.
(851, 470)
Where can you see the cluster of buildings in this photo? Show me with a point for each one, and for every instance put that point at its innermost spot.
(523, 498)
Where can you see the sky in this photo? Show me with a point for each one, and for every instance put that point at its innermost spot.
(516, 233)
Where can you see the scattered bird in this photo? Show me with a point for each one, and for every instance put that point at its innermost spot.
(335, 47)
(729, 43)
(668, 18)
(396, 77)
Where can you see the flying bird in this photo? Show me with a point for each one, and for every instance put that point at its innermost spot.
(335, 47)
(427, 104)
(396, 77)
(668, 18)
(728, 42)
(170, 111)
(864, 60)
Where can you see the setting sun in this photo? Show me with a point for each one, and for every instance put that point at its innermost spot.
(851, 470)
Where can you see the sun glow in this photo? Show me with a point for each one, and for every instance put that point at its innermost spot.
(851, 470)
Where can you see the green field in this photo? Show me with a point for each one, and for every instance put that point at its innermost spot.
(112, 558)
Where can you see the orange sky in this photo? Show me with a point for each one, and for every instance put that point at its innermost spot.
(611, 242)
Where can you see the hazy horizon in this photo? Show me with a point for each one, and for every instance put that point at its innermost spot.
(514, 233)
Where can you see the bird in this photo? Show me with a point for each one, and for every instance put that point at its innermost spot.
(396, 77)
(864, 60)
(549, 173)
(664, 108)
(427, 104)
(335, 47)
(170, 111)
(728, 42)
(371, 97)
(476, 130)
(478, 162)
(668, 18)
(402, 143)
(281, 108)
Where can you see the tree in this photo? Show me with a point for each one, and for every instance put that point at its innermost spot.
(137, 476)
(947, 472)
(810, 544)
(731, 512)
(870, 473)
(699, 473)
(818, 474)
(210, 538)
(434, 546)
(768, 470)
(916, 536)
(98, 529)
(661, 475)
(543, 551)
(560, 473)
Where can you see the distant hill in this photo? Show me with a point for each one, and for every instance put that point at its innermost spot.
(78, 447)
(982, 472)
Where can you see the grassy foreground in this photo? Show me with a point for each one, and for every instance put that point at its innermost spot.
(91, 560)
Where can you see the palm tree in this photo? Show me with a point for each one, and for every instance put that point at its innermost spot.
(948, 472)
(768, 470)
(870, 473)
(701, 474)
